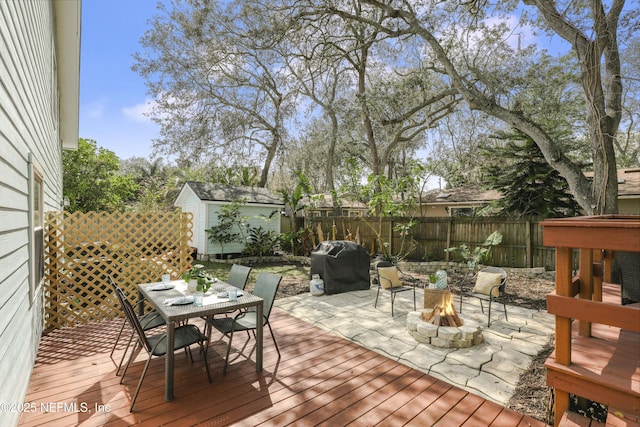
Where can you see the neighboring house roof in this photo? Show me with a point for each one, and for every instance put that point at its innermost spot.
(227, 193)
(628, 187)
(628, 183)
(462, 195)
(325, 201)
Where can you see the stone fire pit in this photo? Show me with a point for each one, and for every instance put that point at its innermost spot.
(468, 335)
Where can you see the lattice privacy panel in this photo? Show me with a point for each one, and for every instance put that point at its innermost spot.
(82, 249)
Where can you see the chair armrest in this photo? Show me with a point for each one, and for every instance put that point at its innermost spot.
(407, 277)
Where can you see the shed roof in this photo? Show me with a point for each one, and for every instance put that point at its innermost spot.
(207, 191)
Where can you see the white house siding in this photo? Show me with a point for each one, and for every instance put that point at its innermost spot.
(255, 217)
(29, 129)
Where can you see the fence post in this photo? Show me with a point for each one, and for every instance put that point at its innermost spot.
(529, 244)
(390, 239)
(449, 227)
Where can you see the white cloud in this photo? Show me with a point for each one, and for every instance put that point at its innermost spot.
(139, 112)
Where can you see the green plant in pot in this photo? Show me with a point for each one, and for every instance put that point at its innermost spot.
(198, 274)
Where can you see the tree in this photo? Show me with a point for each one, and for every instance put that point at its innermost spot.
(627, 142)
(320, 78)
(229, 226)
(153, 179)
(590, 29)
(220, 90)
(528, 185)
(91, 179)
(393, 105)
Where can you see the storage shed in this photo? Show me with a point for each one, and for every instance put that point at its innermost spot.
(204, 201)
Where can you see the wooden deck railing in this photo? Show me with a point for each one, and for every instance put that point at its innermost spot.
(597, 338)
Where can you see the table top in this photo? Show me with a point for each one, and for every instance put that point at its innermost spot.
(212, 304)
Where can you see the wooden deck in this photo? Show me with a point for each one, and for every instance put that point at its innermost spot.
(604, 365)
(321, 379)
(597, 339)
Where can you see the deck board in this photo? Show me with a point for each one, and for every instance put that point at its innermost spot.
(321, 379)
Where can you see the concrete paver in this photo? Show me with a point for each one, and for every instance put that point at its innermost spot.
(490, 369)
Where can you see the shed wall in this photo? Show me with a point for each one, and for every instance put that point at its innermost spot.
(255, 217)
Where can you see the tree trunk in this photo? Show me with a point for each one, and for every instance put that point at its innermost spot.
(271, 154)
(604, 97)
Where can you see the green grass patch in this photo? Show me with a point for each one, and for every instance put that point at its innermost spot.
(292, 271)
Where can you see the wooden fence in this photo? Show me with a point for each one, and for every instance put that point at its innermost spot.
(82, 249)
(521, 245)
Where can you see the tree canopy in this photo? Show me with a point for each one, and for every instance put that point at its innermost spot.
(528, 185)
(91, 179)
(315, 85)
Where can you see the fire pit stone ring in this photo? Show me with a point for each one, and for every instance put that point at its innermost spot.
(468, 335)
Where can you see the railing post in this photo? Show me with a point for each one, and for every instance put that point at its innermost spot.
(585, 274)
(563, 326)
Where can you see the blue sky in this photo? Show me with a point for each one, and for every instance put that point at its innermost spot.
(112, 97)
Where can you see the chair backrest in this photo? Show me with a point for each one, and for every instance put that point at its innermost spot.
(266, 288)
(388, 275)
(117, 291)
(238, 276)
(130, 314)
(113, 284)
(498, 270)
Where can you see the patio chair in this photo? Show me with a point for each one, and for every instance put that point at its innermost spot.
(392, 280)
(238, 276)
(148, 321)
(489, 285)
(266, 288)
(155, 345)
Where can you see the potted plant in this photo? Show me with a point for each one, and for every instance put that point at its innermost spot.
(197, 278)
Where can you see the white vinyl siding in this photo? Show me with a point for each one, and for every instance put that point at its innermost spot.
(28, 129)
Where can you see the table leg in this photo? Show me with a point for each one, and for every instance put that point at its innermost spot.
(168, 363)
(140, 303)
(259, 336)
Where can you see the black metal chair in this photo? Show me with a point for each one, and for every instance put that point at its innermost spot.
(266, 288)
(391, 279)
(489, 285)
(148, 321)
(156, 345)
